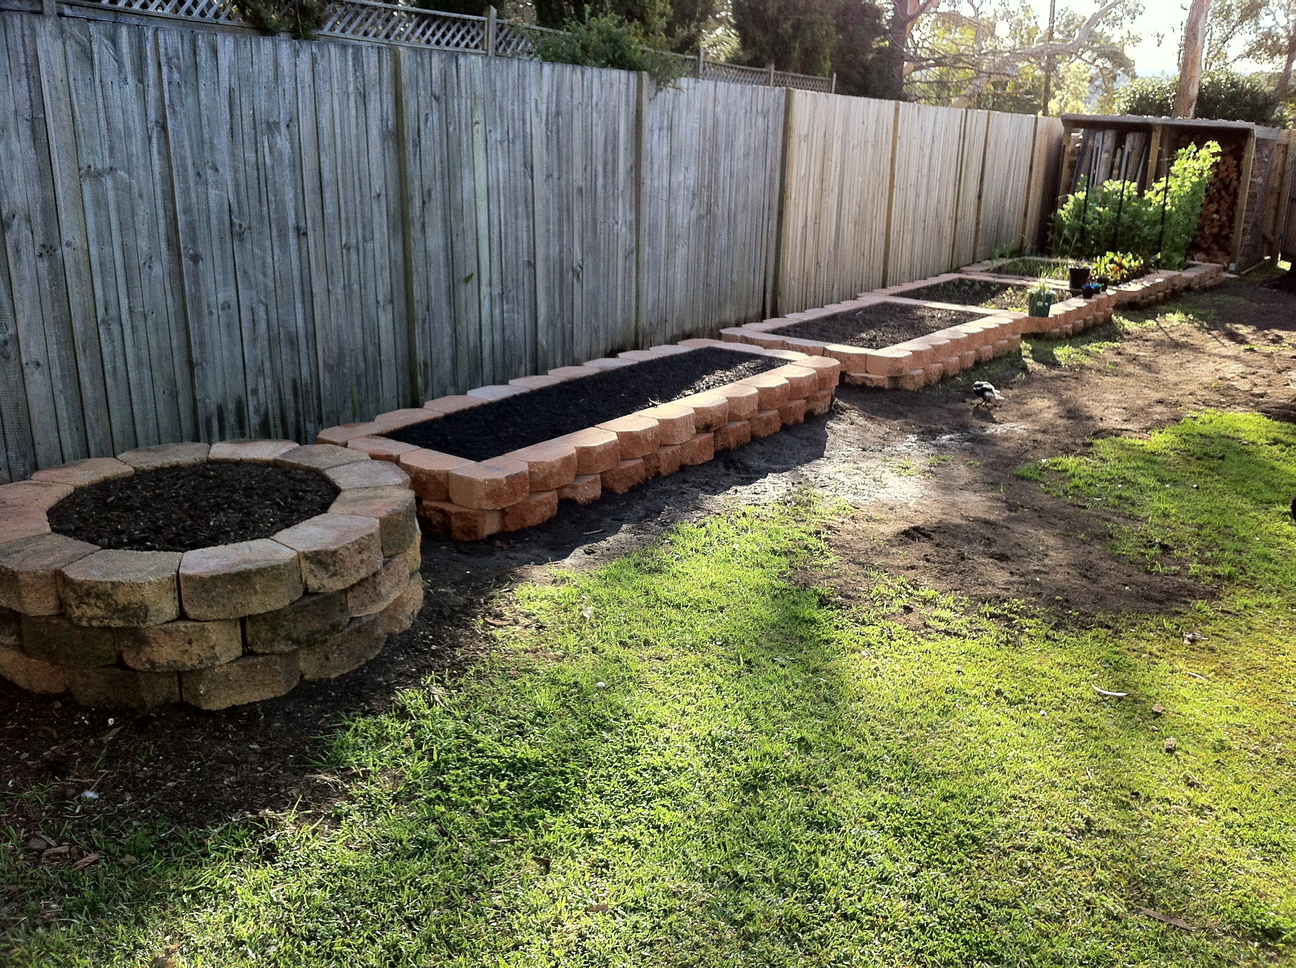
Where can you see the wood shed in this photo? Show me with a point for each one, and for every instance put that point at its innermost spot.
(1248, 201)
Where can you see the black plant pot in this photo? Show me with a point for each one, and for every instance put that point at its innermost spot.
(1079, 276)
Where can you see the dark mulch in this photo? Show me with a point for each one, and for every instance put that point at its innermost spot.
(879, 324)
(1028, 266)
(972, 292)
(530, 418)
(183, 508)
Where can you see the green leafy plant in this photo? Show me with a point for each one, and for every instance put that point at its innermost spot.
(611, 41)
(300, 19)
(1157, 225)
(1118, 267)
(1223, 96)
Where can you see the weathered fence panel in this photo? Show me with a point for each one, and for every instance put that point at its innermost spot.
(212, 235)
(837, 183)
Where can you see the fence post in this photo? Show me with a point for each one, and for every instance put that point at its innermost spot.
(49, 8)
(700, 69)
(833, 88)
(488, 41)
(770, 69)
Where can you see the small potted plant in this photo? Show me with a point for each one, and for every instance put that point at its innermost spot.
(1039, 298)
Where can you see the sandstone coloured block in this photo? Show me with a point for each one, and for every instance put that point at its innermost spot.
(31, 674)
(376, 592)
(818, 404)
(23, 524)
(306, 621)
(165, 455)
(121, 588)
(246, 578)
(367, 473)
(496, 392)
(675, 422)
(10, 627)
(793, 412)
(596, 450)
(29, 571)
(801, 380)
(319, 457)
(413, 555)
(638, 435)
(534, 382)
(82, 473)
(664, 461)
(343, 434)
(872, 380)
(336, 550)
(250, 451)
(459, 523)
(349, 649)
(765, 422)
(454, 403)
(550, 464)
(395, 508)
(182, 644)
(112, 687)
(697, 450)
(23, 497)
(734, 434)
(585, 489)
(380, 448)
(743, 400)
(536, 508)
(399, 419)
(624, 476)
(710, 411)
(491, 484)
(429, 472)
(252, 678)
(404, 609)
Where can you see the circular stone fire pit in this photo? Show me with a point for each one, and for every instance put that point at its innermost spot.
(310, 596)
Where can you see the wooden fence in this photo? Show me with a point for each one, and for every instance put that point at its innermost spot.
(208, 235)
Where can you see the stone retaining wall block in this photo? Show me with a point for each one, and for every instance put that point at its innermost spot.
(818, 404)
(627, 474)
(165, 455)
(637, 435)
(319, 457)
(112, 687)
(252, 678)
(367, 473)
(376, 592)
(29, 571)
(429, 472)
(181, 645)
(551, 464)
(31, 674)
(52, 638)
(596, 450)
(490, 485)
(460, 523)
(585, 489)
(119, 588)
(404, 609)
(246, 578)
(339, 654)
(664, 461)
(536, 508)
(82, 473)
(743, 400)
(395, 509)
(765, 422)
(336, 550)
(306, 621)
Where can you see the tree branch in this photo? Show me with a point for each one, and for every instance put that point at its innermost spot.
(998, 66)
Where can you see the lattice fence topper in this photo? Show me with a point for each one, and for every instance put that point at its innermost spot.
(394, 23)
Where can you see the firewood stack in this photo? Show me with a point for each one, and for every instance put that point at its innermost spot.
(1214, 241)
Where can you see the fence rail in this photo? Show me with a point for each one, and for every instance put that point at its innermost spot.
(206, 234)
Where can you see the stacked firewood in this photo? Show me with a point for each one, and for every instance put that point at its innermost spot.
(1214, 241)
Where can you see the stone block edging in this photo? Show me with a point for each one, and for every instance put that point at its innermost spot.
(467, 500)
(217, 626)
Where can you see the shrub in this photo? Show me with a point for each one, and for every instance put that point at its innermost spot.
(1157, 225)
(299, 18)
(610, 41)
(1223, 96)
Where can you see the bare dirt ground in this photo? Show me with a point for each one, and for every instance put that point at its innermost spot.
(933, 495)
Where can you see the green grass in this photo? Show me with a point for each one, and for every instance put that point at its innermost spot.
(701, 755)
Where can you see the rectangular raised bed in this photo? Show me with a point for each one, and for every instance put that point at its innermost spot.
(467, 500)
(909, 364)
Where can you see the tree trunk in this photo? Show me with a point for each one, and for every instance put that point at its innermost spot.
(1190, 67)
(903, 14)
(1284, 79)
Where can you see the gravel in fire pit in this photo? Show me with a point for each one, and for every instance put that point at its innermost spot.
(500, 426)
(195, 506)
(879, 324)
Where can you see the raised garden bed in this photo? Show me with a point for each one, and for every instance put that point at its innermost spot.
(213, 575)
(500, 458)
(1148, 289)
(890, 342)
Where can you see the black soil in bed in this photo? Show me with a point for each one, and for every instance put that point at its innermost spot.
(500, 426)
(971, 292)
(879, 324)
(183, 508)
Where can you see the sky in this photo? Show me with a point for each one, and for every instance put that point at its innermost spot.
(1164, 17)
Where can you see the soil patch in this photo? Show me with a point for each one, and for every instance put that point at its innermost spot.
(500, 426)
(879, 324)
(934, 496)
(195, 506)
(1032, 267)
(971, 292)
